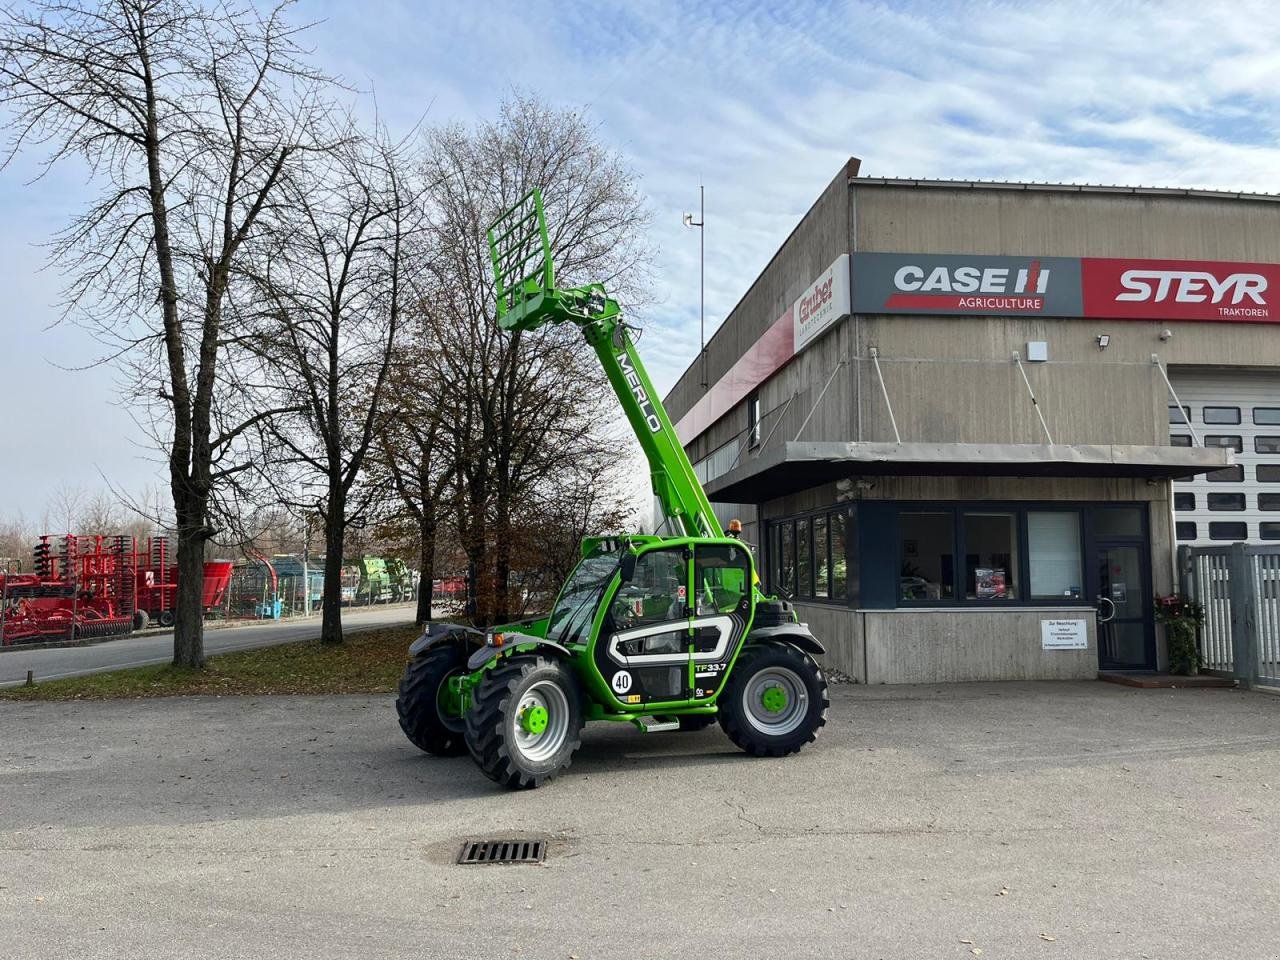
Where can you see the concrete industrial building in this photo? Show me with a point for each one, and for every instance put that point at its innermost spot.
(944, 413)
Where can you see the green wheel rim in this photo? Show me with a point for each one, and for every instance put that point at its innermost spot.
(775, 701)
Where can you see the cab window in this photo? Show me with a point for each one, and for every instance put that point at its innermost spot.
(722, 578)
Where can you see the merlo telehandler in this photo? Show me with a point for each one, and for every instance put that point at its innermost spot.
(666, 632)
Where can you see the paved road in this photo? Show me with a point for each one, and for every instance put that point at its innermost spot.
(1121, 823)
(49, 664)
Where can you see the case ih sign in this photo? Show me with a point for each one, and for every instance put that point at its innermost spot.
(1066, 287)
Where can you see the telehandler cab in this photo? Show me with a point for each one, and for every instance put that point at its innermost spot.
(666, 632)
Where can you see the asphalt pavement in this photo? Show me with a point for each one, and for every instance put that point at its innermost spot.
(152, 648)
(1020, 820)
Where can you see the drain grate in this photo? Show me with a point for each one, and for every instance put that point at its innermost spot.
(502, 851)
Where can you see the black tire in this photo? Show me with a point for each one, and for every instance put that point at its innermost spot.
(418, 703)
(508, 753)
(696, 722)
(166, 618)
(141, 620)
(796, 714)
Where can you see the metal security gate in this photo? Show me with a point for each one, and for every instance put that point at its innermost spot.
(1239, 587)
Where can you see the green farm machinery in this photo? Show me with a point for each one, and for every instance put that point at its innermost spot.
(665, 632)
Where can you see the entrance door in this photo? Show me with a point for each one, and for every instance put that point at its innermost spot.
(1126, 640)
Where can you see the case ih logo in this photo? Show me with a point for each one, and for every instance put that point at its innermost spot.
(1174, 290)
(970, 289)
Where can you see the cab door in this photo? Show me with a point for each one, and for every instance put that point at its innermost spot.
(722, 592)
(644, 648)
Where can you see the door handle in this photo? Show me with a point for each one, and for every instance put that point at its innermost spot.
(1110, 603)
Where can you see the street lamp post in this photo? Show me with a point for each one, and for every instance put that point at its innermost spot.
(702, 288)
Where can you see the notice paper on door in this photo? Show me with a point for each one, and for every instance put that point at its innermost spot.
(1064, 635)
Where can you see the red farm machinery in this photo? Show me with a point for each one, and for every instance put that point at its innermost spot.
(83, 587)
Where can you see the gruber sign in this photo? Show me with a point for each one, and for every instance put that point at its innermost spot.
(825, 302)
(1065, 287)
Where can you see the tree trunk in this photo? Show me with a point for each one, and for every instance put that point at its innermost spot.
(188, 626)
(502, 561)
(331, 601)
(426, 567)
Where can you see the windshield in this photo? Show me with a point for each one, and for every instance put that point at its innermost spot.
(577, 601)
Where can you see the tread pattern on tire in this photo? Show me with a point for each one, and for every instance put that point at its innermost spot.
(742, 733)
(416, 703)
(486, 718)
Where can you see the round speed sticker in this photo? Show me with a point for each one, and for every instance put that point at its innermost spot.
(621, 682)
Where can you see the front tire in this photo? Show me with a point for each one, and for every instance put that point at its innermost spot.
(775, 702)
(525, 721)
(422, 702)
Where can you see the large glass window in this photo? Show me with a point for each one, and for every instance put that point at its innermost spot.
(928, 556)
(1118, 521)
(787, 568)
(991, 556)
(1053, 554)
(839, 555)
(821, 559)
(804, 564)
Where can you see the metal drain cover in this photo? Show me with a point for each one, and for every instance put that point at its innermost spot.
(502, 851)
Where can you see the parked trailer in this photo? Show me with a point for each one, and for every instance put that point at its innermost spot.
(157, 588)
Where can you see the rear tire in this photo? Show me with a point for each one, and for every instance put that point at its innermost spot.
(775, 702)
(140, 620)
(525, 721)
(419, 705)
(166, 618)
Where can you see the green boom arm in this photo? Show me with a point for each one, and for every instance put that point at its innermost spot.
(528, 297)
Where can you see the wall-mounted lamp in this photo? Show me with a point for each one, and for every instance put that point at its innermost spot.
(1104, 341)
(1166, 335)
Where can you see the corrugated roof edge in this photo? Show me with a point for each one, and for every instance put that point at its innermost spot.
(1061, 188)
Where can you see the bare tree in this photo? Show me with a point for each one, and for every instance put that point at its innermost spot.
(333, 284)
(190, 116)
(516, 406)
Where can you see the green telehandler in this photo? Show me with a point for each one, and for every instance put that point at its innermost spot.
(666, 632)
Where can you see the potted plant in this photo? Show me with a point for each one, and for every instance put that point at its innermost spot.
(1181, 619)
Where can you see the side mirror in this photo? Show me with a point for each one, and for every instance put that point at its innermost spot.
(628, 566)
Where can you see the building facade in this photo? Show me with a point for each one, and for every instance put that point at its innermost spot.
(966, 424)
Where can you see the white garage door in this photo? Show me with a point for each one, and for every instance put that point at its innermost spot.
(1240, 411)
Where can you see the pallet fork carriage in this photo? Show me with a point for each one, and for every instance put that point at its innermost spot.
(667, 632)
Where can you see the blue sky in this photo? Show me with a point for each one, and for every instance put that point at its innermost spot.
(761, 101)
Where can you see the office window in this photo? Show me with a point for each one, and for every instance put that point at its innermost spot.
(804, 561)
(821, 559)
(1269, 501)
(1053, 554)
(1177, 415)
(1268, 473)
(1224, 441)
(807, 556)
(787, 566)
(927, 544)
(1266, 416)
(753, 420)
(1180, 440)
(1118, 521)
(1186, 531)
(1221, 530)
(1269, 531)
(839, 562)
(1221, 415)
(991, 556)
(1226, 475)
(1226, 501)
(1266, 444)
(1184, 501)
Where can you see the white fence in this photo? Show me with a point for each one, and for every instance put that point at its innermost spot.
(1239, 587)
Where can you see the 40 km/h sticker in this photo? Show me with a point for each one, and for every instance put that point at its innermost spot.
(621, 681)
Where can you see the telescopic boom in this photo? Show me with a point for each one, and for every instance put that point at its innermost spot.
(528, 297)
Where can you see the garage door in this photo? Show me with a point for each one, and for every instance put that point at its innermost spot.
(1239, 411)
